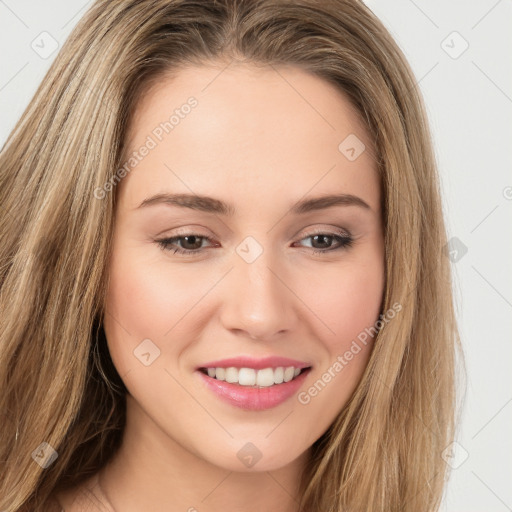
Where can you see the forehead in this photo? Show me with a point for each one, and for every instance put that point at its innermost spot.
(252, 131)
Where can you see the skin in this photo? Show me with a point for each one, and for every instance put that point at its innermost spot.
(261, 139)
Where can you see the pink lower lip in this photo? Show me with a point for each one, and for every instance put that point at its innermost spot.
(254, 399)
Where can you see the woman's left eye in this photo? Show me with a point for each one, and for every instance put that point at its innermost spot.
(194, 242)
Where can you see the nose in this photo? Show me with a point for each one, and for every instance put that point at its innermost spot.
(258, 302)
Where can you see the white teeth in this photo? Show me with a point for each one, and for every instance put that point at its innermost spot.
(288, 374)
(247, 377)
(279, 375)
(265, 377)
(231, 374)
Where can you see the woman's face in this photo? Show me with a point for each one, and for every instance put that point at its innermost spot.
(251, 155)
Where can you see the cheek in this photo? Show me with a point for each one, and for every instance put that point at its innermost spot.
(146, 301)
(359, 303)
(349, 306)
(139, 297)
(346, 300)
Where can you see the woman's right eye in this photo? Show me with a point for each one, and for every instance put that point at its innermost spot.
(194, 240)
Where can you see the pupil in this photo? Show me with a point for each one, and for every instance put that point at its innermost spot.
(194, 238)
(316, 237)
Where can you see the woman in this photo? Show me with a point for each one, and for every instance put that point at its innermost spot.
(223, 268)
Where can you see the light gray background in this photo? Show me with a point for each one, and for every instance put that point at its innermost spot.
(469, 102)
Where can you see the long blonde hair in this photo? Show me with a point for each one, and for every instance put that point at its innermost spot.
(58, 384)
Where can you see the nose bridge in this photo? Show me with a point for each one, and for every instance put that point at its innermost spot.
(260, 303)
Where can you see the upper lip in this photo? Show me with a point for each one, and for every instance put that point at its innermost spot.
(257, 364)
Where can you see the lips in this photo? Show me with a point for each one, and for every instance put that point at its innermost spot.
(252, 388)
(253, 398)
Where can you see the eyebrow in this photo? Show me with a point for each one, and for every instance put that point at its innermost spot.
(216, 206)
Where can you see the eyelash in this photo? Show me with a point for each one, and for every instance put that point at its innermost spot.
(345, 241)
